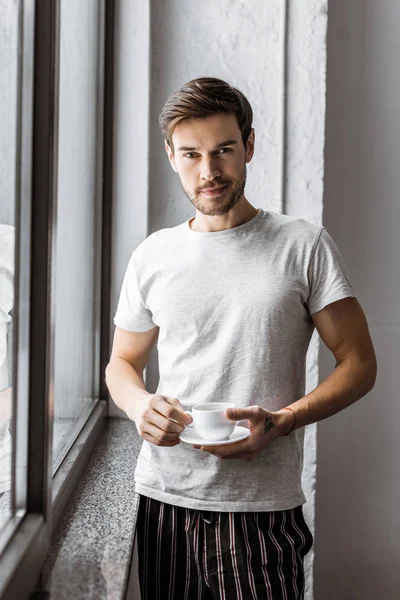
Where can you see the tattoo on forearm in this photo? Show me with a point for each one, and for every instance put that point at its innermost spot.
(268, 424)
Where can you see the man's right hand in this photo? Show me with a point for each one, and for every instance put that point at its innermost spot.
(153, 416)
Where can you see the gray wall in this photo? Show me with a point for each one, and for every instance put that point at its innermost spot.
(357, 550)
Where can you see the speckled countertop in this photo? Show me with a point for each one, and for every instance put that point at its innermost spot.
(92, 548)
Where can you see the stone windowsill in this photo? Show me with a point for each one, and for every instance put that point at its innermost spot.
(92, 548)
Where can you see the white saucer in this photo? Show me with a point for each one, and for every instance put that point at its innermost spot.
(190, 436)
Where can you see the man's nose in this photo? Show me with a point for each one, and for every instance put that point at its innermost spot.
(210, 169)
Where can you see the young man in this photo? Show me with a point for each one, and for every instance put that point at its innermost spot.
(232, 296)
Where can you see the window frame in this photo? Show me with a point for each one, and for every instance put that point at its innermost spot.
(25, 540)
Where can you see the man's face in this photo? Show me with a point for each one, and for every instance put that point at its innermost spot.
(210, 159)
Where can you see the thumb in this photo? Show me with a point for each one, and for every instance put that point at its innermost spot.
(237, 414)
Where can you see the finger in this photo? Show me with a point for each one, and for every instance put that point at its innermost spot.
(240, 414)
(226, 454)
(149, 438)
(159, 434)
(164, 423)
(151, 416)
(220, 453)
(171, 408)
(233, 449)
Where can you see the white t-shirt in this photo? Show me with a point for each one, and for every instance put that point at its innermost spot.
(233, 308)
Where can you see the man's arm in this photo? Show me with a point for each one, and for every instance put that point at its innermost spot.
(124, 372)
(343, 328)
(159, 419)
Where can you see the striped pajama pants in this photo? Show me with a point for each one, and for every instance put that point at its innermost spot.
(187, 554)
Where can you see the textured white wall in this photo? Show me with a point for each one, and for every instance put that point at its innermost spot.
(131, 143)
(358, 486)
(240, 42)
(307, 24)
(237, 41)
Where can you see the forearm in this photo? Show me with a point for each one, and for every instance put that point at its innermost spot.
(125, 384)
(350, 381)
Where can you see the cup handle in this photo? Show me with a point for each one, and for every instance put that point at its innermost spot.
(189, 412)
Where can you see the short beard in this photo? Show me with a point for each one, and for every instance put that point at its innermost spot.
(235, 195)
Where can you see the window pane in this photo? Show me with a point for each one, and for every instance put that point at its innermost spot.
(9, 39)
(77, 206)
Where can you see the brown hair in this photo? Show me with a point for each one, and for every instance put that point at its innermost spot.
(201, 98)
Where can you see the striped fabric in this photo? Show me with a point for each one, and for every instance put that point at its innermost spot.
(187, 554)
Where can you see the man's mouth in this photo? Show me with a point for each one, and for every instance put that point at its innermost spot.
(214, 191)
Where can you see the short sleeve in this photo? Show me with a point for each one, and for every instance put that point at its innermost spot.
(327, 275)
(132, 314)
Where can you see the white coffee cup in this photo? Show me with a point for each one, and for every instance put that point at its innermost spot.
(210, 421)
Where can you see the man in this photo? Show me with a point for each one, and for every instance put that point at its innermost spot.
(232, 297)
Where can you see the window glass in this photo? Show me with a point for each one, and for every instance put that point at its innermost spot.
(74, 282)
(9, 40)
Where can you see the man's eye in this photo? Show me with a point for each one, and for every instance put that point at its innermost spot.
(220, 151)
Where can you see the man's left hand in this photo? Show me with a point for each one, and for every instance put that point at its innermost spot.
(265, 427)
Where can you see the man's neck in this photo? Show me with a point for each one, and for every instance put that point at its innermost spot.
(210, 224)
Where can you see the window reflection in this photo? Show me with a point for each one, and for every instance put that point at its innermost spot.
(6, 306)
(9, 40)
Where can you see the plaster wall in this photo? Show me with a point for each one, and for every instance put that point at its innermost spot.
(357, 551)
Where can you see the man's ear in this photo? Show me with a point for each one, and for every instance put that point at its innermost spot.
(171, 158)
(250, 145)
